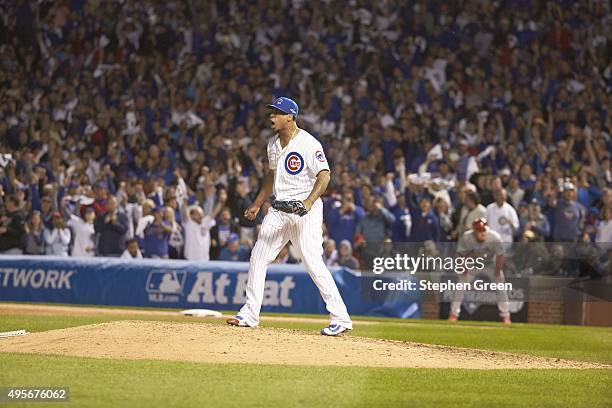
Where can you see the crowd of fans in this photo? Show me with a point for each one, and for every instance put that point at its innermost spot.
(138, 128)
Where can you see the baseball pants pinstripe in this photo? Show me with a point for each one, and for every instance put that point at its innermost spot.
(306, 234)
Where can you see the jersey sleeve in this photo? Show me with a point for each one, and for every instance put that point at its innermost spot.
(208, 222)
(316, 159)
(272, 156)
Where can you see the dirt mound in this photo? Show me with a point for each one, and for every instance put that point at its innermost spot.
(204, 342)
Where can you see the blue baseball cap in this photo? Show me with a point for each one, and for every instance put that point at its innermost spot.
(285, 105)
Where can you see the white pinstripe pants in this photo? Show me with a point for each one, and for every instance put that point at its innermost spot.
(306, 234)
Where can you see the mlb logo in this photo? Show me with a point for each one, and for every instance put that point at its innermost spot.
(166, 282)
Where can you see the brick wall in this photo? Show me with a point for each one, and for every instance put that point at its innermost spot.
(548, 311)
(430, 309)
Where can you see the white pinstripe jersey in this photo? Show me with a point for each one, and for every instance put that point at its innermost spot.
(296, 165)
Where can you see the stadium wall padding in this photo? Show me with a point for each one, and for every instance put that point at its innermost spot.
(182, 284)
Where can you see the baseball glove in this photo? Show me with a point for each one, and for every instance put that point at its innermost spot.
(291, 207)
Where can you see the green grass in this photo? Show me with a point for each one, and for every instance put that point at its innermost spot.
(112, 383)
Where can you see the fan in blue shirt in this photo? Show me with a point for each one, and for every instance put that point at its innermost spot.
(156, 236)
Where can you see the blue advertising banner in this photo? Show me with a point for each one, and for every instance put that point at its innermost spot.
(182, 284)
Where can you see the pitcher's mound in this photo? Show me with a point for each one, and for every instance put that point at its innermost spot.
(212, 343)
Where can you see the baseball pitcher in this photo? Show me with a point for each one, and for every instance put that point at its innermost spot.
(299, 174)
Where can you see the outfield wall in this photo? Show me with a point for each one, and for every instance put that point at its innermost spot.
(182, 284)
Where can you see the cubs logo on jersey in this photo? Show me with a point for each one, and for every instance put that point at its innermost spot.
(320, 156)
(294, 163)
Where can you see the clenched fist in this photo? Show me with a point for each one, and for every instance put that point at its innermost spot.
(251, 212)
